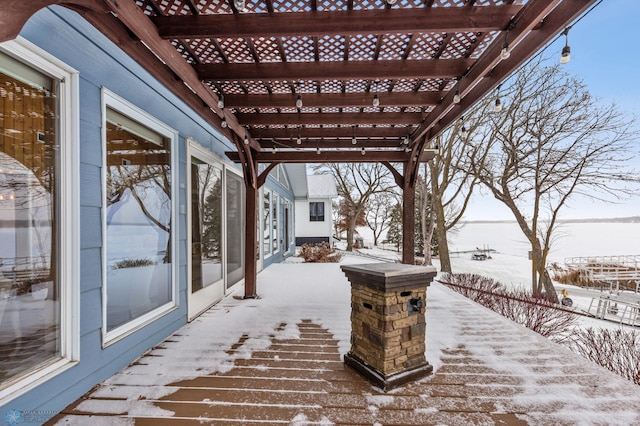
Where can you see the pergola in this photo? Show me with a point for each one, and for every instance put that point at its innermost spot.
(318, 81)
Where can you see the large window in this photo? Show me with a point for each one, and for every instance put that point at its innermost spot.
(38, 238)
(139, 247)
(316, 212)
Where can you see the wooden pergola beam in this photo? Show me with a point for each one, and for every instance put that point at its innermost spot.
(335, 156)
(531, 22)
(340, 100)
(364, 70)
(331, 132)
(342, 22)
(333, 118)
(268, 144)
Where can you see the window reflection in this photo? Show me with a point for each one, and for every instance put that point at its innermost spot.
(206, 224)
(29, 227)
(138, 219)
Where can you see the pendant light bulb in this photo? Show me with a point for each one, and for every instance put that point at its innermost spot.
(246, 140)
(299, 101)
(273, 150)
(299, 140)
(376, 100)
(505, 53)
(223, 123)
(221, 102)
(363, 152)
(566, 55)
(406, 140)
(318, 150)
(456, 97)
(464, 132)
(391, 2)
(498, 106)
(354, 140)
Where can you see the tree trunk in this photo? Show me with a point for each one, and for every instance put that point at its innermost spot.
(350, 232)
(441, 236)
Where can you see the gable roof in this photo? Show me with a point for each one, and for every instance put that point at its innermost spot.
(322, 186)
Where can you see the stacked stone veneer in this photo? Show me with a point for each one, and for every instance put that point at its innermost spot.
(388, 322)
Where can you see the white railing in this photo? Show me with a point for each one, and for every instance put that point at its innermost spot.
(612, 270)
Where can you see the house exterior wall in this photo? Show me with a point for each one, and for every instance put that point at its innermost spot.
(312, 232)
(100, 64)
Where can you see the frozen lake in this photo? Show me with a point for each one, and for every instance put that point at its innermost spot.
(572, 239)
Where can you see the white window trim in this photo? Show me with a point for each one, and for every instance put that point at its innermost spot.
(69, 220)
(275, 231)
(113, 101)
(269, 225)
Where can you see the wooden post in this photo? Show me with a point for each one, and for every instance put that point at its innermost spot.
(408, 222)
(250, 247)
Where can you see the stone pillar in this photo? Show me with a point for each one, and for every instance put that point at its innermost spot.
(388, 322)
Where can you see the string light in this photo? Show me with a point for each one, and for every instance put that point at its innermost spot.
(498, 105)
(318, 150)
(299, 101)
(505, 52)
(456, 95)
(566, 50)
(391, 2)
(353, 138)
(221, 101)
(246, 139)
(363, 152)
(273, 150)
(463, 131)
(299, 139)
(223, 123)
(376, 97)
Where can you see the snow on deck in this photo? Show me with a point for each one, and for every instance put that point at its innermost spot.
(278, 360)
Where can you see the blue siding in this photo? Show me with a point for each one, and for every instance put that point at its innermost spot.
(66, 35)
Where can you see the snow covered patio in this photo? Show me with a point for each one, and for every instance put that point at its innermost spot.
(278, 360)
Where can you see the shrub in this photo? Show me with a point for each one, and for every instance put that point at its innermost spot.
(617, 350)
(539, 315)
(133, 263)
(319, 253)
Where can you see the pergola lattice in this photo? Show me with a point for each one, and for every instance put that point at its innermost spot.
(248, 66)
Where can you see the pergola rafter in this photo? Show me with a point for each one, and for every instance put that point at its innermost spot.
(337, 56)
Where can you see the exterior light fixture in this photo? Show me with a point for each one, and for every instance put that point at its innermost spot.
(376, 100)
(464, 133)
(565, 57)
(505, 53)
(376, 97)
(498, 105)
(456, 97)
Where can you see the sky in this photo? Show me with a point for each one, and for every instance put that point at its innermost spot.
(604, 57)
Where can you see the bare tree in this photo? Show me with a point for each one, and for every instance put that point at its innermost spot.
(378, 215)
(357, 183)
(425, 214)
(552, 143)
(451, 184)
